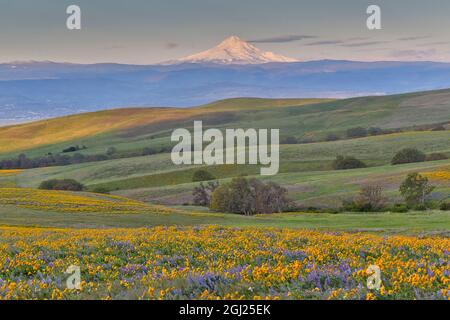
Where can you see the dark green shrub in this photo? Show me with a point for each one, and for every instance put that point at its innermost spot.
(71, 149)
(289, 140)
(103, 190)
(64, 184)
(345, 163)
(375, 131)
(202, 175)
(399, 208)
(420, 207)
(332, 137)
(408, 155)
(445, 206)
(358, 132)
(436, 157)
(439, 128)
(352, 206)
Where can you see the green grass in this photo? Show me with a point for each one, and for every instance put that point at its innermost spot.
(317, 188)
(125, 127)
(305, 168)
(158, 170)
(408, 223)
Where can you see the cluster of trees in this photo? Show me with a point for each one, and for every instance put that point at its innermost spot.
(361, 132)
(415, 190)
(74, 148)
(61, 184)
(408, 155)
(252, 196)
(411, 155)
(352, 133)
(243, 196)
(52, 160)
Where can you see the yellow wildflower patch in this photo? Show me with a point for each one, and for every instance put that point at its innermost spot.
(64, 201)
(219, 263)
(438, 175)
(10, 172)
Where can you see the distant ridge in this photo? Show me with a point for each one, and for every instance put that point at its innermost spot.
(37, 90)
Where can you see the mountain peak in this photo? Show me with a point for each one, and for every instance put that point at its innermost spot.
(234, 50)
(232, 40)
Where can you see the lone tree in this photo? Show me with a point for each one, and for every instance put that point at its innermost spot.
(415, 189)
(371, 198)
(408, 155)
(202, 193)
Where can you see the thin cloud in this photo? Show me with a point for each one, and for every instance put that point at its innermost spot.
(363, 44)
(283, 39)
(171, 45)
(413, 38)
(357, 39)
(325, 43)
(438, 43)
(341, 42)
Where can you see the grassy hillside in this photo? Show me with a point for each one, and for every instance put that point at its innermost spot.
(141, 182)
(75, 127)
(305, 119)
(158, 170)
(71, 202)
(316, 188)
(259, 104)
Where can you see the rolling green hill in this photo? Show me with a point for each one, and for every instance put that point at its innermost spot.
(305, 168)
(114, 126)
(307, 119)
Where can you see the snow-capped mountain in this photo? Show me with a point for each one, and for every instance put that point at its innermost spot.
(234, 50)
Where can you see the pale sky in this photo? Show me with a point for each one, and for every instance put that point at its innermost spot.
(151, 31)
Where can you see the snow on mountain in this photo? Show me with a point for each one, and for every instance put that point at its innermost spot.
(234, 50)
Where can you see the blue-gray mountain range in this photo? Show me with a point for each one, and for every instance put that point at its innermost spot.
(36, 90)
